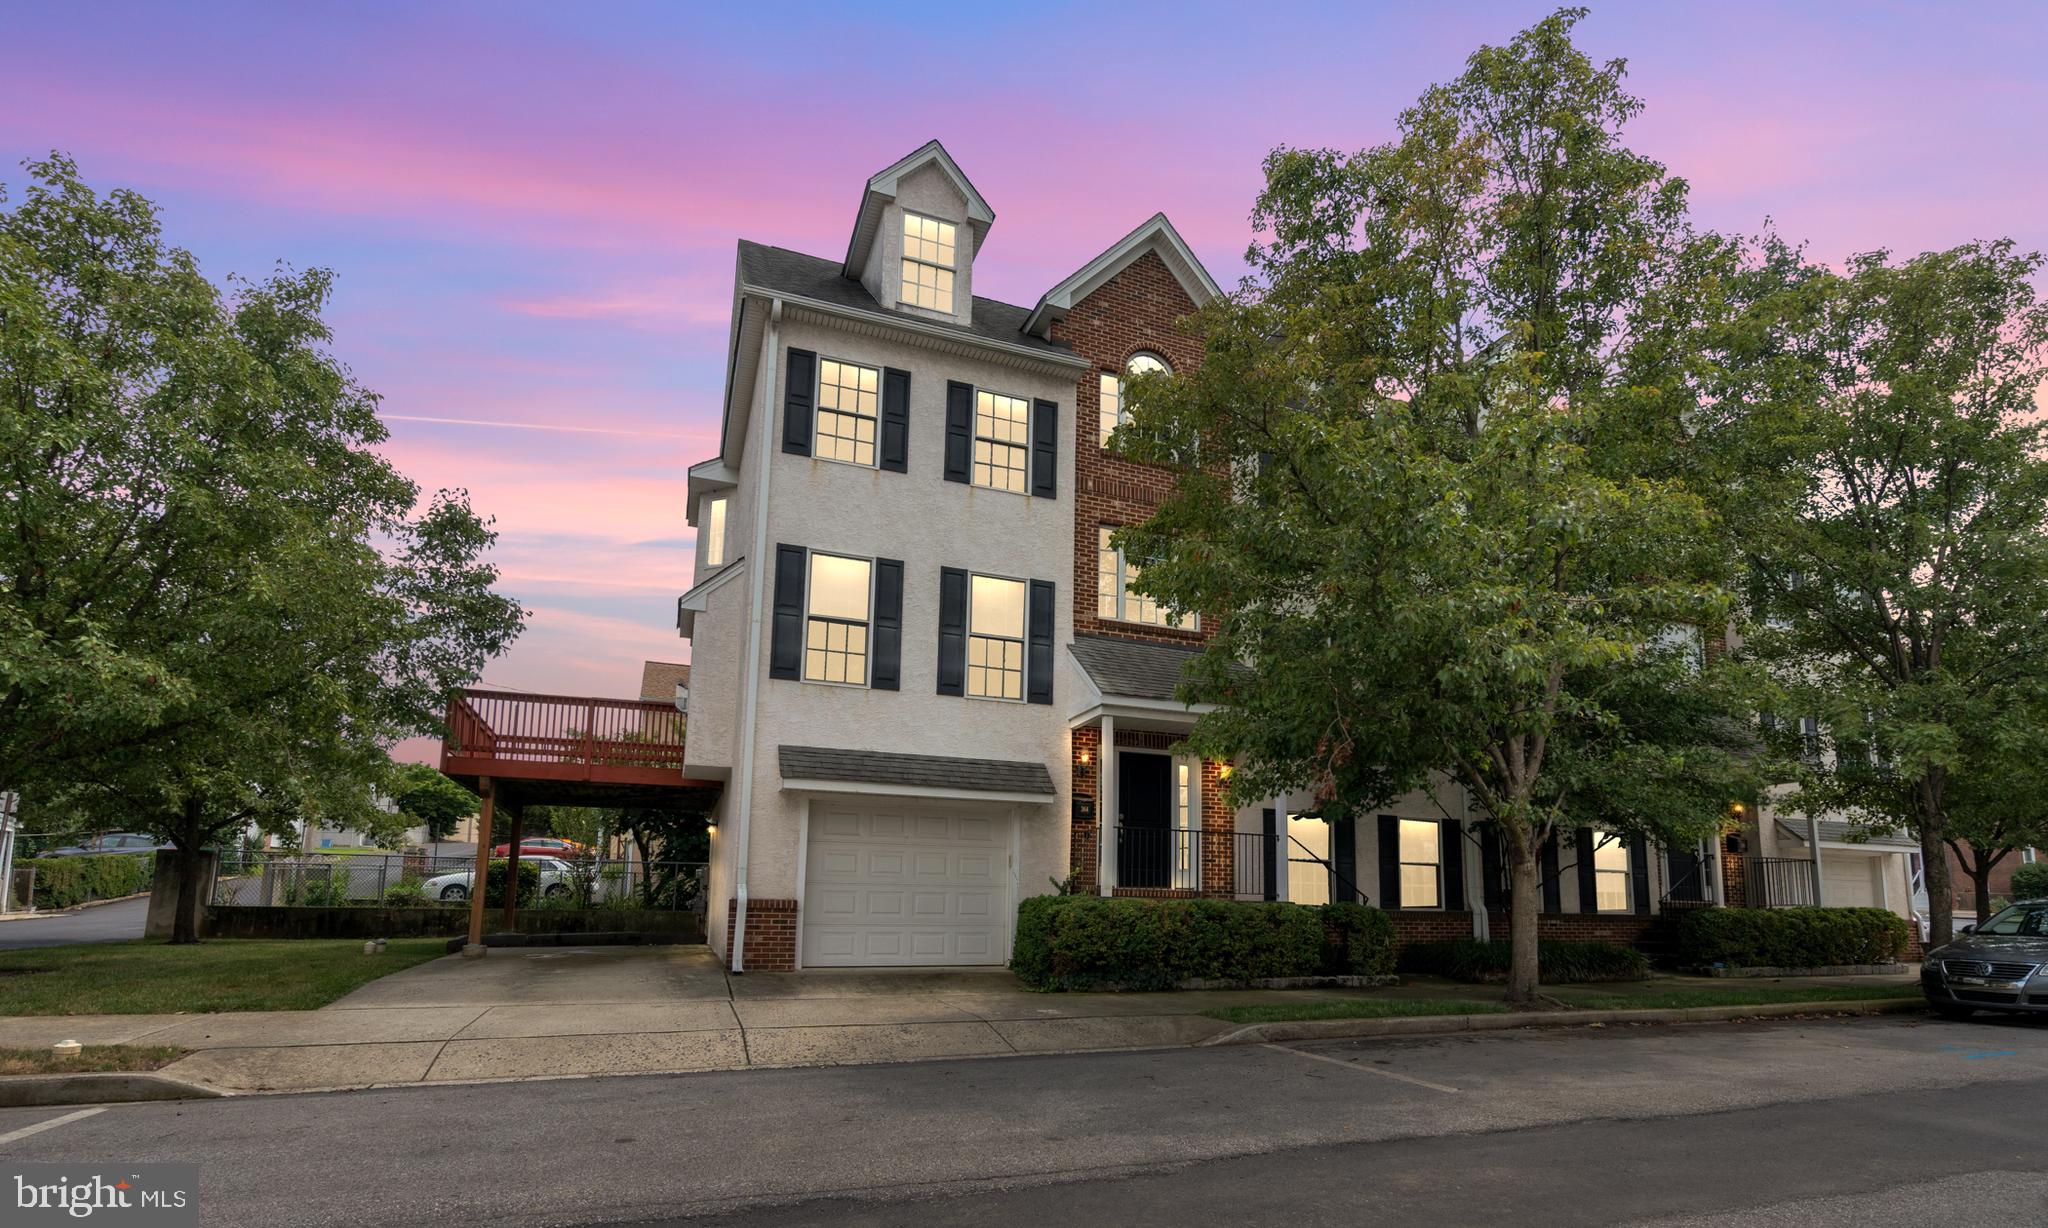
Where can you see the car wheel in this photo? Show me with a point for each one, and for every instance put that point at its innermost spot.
(1954, 1013)
(558, 891)
(455, 891)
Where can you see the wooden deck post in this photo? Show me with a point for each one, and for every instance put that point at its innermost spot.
(512, 867)
(475, 948)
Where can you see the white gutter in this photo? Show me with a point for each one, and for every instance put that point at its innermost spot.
(744, 802)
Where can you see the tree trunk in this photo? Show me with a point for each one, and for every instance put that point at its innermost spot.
(1525, 900)
(184, 926)
(1980, 878)
(1941, 896)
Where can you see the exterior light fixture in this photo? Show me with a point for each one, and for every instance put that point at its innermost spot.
(1223, 773)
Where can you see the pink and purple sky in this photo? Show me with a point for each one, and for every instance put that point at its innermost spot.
(532, 207)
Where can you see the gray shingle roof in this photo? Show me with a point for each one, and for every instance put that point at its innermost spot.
(1131, 669)
(814, 277)
(1835, 830)
(878, 767)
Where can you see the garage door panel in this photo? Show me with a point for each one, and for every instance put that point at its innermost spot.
(892, 888)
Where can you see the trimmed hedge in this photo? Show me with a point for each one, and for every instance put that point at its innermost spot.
(2030, 881)
(1558, 962)
(1790, 937)
(64, 881)
(1088, 942)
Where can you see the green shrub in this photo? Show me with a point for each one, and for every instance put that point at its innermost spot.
(1088, 942)
(406, 892)
(1359, 940)
(2030, 881)
(494, 884)
(62, 882)
(1558, 962)
(1790, 937)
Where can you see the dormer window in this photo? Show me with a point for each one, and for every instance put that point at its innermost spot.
(1112, 391)
(928, 263)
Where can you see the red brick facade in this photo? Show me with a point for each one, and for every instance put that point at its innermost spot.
(771, 934)
(1219, 821)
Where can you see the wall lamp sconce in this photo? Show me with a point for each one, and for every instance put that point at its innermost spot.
(1223, 772)
(711, 829)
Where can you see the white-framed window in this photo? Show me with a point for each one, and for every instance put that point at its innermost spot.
(995, 638)
(839, 601)
(1114, 576)
(714, 531)
(928, 262)
(1421, 850)
(1610, 874)
(847, 394)
(1309, 857)
(1002, 441)
(1112, 390)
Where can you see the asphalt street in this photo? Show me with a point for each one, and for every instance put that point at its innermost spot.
(116, 922)
(1868, 1122)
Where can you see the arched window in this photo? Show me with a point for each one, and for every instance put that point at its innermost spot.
(1113, 411)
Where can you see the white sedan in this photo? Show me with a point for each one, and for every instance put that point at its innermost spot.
(556, 879)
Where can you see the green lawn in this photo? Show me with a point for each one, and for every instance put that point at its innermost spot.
(92, 1058)
(226, 974)
(1435, 997)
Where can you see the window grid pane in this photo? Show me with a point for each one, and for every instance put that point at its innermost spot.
(1114, 576)
(1112, 393)
(1610, 875)
(1001, 441)
(846, 412)
(995, 667)
(1421, 854)
(836, 651)
(928, 239)
(927, 285)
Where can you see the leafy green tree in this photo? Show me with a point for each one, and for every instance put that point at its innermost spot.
(1905, 598)
(1431, 492)
(221, 603)
(429, 799)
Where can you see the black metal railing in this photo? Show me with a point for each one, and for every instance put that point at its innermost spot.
(1778, 882)
(1690, 889)
(1160, 857)
(1173, 858)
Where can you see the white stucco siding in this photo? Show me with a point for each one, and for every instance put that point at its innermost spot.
(926, 191)
(928, 523)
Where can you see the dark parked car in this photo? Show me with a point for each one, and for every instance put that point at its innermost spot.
(2001, 965)
(111, 842)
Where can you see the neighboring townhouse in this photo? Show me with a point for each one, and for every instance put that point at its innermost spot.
(915, 660)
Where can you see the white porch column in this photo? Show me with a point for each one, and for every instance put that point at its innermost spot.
(1281, 844)
(1813, 844)
(1106, 810)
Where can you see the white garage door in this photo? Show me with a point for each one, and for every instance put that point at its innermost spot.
(887, 887)
(1848, 879)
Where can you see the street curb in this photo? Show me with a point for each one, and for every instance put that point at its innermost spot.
(1436, 1025)
(38, 1091)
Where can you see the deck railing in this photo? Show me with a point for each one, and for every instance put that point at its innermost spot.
(1779, 882)
(510, 727)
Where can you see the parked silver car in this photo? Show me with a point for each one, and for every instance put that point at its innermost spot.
(2001, 965)
(556, 879)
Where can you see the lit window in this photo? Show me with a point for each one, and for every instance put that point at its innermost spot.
(995, 639)
(1309, 863)
(1610, 874)
(714, 532)
(1184, 821)
(846, 412)
(1002, 426)
(1422, 855)
(1112, 389)
(836, 632)
(927, 263)
(1114, 576)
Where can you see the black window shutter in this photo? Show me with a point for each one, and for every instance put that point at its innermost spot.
(959, 431)
(1490, 868)
(786, 640)
(1553, 889)
(887, 671)
(1269, 881)
(1038, 644)
(1390, 861)
(952, 631)
(1453, 834)
(1639, 874)
(895, 451)
(1344, 857)
(1045, 449)
(798, 390)
(1588, 885)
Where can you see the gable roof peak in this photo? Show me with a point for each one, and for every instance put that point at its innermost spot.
(1154, 234)
(881, 187)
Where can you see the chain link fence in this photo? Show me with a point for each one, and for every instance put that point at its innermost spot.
(262, 879)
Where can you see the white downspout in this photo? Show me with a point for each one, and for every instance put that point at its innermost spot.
(758, 582)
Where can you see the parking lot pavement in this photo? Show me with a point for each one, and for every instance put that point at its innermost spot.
(120, 921)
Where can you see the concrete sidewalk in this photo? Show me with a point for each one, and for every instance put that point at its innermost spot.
(577, 1011)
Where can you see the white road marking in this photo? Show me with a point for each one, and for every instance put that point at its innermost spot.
(51, 1124)
(1356, 1068)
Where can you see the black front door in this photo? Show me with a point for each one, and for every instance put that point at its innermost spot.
(1144, 852)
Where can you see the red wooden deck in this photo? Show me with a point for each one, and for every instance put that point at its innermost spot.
(553, 743)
